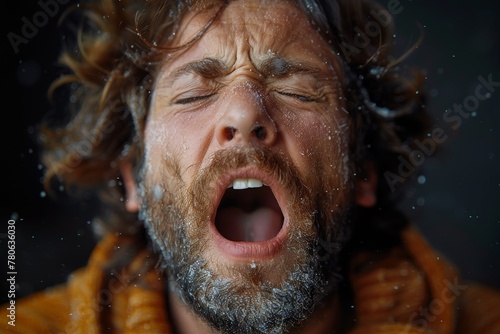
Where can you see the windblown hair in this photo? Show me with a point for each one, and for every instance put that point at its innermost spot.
(111, 72)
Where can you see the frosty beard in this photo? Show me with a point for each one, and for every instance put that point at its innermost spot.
(261, 297)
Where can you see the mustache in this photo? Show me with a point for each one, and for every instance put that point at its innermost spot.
(270, 162)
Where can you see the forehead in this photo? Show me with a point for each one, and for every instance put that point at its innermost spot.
(256, 28)
(242, 15)
(256, 16)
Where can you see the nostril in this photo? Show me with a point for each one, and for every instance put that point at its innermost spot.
(257, 134)
(229, 132)
(260, 132)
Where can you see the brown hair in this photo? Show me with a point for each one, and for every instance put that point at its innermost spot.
(112, 69)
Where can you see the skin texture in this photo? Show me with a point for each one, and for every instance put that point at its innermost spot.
(257, 96)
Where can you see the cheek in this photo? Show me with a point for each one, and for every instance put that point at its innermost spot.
(317, 144)
(160, 147)
(176, 140)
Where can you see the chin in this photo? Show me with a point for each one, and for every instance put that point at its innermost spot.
(245, 250)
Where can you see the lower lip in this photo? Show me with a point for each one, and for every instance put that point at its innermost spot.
(243, 250)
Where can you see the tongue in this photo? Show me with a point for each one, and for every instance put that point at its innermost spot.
(259, 225)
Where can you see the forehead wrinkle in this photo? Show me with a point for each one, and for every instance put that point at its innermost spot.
(277, 66)
(207, 67)
(256, 45)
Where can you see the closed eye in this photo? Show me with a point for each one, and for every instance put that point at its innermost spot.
(193, 99)
(299, 97)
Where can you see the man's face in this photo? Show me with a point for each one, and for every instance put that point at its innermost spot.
(246, 178)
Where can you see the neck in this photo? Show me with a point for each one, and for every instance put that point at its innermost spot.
(325, 319)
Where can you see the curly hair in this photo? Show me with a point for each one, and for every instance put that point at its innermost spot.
(112, 66)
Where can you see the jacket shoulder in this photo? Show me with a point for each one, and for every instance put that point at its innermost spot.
(47, 311)
(479, 310)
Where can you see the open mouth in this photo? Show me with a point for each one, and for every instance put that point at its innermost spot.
(248, 212)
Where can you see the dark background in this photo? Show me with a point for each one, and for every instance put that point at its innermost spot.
(457, 207)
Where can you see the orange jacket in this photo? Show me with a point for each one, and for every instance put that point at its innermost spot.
(410, 289)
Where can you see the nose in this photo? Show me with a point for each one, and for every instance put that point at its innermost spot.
(245, 120)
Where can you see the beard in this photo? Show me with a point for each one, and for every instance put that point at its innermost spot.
(237, 297)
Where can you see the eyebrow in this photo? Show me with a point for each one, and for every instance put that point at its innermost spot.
(206, 67)
(273, 66)
(279, 67)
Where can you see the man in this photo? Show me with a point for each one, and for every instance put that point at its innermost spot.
(250, 141)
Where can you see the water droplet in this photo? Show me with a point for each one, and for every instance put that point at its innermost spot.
(158, 192)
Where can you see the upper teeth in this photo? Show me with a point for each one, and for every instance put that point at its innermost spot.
(246, 183)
